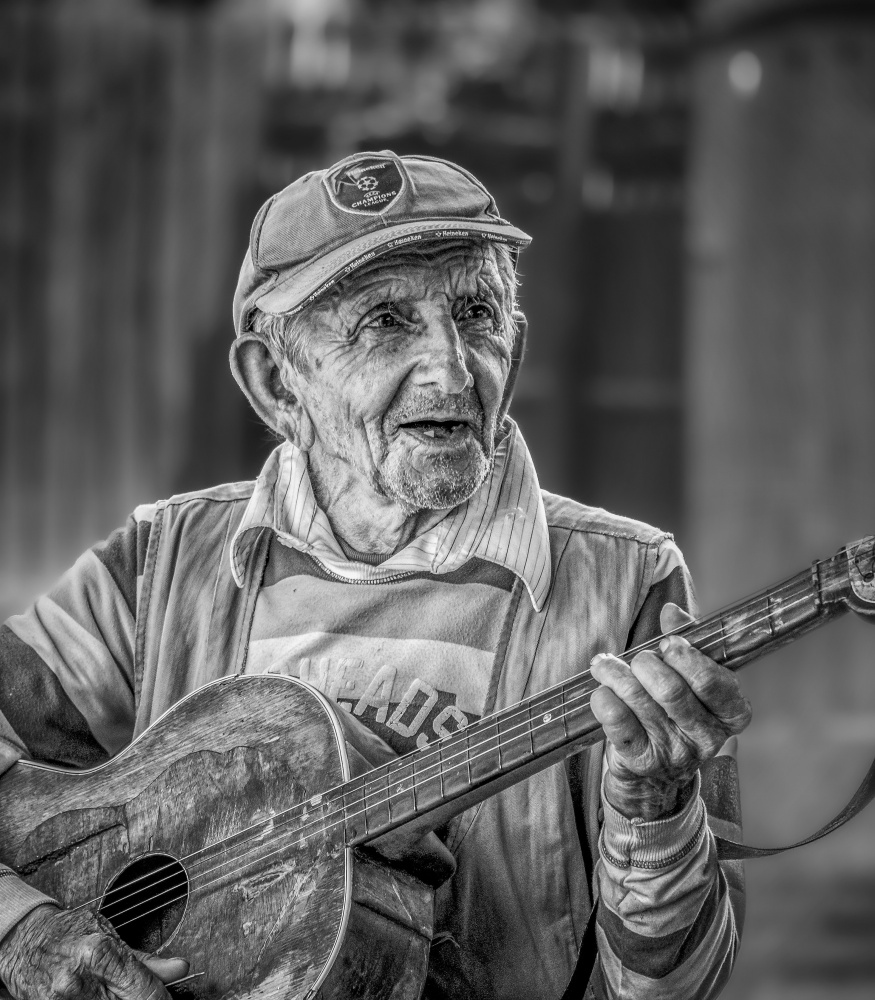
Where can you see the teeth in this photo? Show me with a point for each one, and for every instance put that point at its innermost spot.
(436, 429)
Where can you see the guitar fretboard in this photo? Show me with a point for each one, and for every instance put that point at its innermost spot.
(542, 729)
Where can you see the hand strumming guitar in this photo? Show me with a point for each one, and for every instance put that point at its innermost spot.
(663, 715)
(55, 954)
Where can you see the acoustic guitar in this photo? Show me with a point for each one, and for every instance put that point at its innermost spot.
(235, 831)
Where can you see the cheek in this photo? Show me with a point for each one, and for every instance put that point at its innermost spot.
(354, 407)
(380, 372)
(490, 368)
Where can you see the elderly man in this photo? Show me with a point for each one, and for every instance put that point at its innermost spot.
(397, 553)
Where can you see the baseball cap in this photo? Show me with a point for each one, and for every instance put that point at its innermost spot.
(329, 222)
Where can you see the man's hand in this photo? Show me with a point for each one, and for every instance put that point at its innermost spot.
(54, 954)
(663, 715)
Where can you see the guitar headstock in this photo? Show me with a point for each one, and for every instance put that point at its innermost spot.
(861, 576)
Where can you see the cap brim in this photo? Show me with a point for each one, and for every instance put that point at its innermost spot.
(292, 290)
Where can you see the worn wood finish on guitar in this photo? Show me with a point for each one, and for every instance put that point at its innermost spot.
(266, 921)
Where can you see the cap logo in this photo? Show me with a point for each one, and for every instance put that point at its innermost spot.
(367, 186)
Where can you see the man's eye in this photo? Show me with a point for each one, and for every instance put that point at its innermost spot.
(384, 317)
(477, 311)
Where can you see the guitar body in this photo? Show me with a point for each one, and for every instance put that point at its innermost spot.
(159, 840)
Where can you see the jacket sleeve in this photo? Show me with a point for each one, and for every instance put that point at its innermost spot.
(66, 674)
(670, 911)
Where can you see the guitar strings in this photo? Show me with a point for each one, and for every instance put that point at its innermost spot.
(529, 708)
(323, 827)
(385, 776)
(739, 607)
(292, 836)
(542, 696)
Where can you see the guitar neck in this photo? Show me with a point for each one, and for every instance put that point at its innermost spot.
(430, 785)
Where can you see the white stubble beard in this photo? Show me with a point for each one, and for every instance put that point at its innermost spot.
(443, 487)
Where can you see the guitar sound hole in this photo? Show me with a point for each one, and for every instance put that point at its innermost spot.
(146, 901)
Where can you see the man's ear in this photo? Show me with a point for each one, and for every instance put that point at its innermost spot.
(258, 375)
(516, 356)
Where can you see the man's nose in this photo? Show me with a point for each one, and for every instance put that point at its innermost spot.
(442, 358)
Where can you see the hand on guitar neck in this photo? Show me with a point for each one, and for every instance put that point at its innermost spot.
(663, 715)
(55, 954)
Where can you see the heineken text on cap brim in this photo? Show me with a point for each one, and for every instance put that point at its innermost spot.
(330, 222)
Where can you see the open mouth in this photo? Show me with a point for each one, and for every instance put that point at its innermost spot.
(437, 429)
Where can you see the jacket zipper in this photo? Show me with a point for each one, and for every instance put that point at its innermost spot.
(370, 583)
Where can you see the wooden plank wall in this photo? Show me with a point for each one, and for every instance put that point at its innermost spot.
(127, 138)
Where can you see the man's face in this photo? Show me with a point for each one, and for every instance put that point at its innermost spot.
(405, 375)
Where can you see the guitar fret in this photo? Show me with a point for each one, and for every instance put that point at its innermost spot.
(485, 760)
(457, 772)
(427, 778)
(377, 802)
(579, 720)
(747, 629)
(796, 613)
(708, 635)
(775, 620)
(515, 738)
(355, 814)
(548, 724)
(761, 623)
(401, 791)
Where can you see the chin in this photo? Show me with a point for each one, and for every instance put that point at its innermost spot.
(439, 488)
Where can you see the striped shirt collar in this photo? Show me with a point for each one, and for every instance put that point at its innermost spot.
(503, 522)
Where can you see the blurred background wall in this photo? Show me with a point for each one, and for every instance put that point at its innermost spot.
(699, 179)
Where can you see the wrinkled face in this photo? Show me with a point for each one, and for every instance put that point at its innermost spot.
(405, 374)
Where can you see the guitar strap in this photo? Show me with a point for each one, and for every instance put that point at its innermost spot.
(729, 850)
(589, 949)
(589, 944)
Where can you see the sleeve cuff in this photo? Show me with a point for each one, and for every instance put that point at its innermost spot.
(17, 899)
(657, 844)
